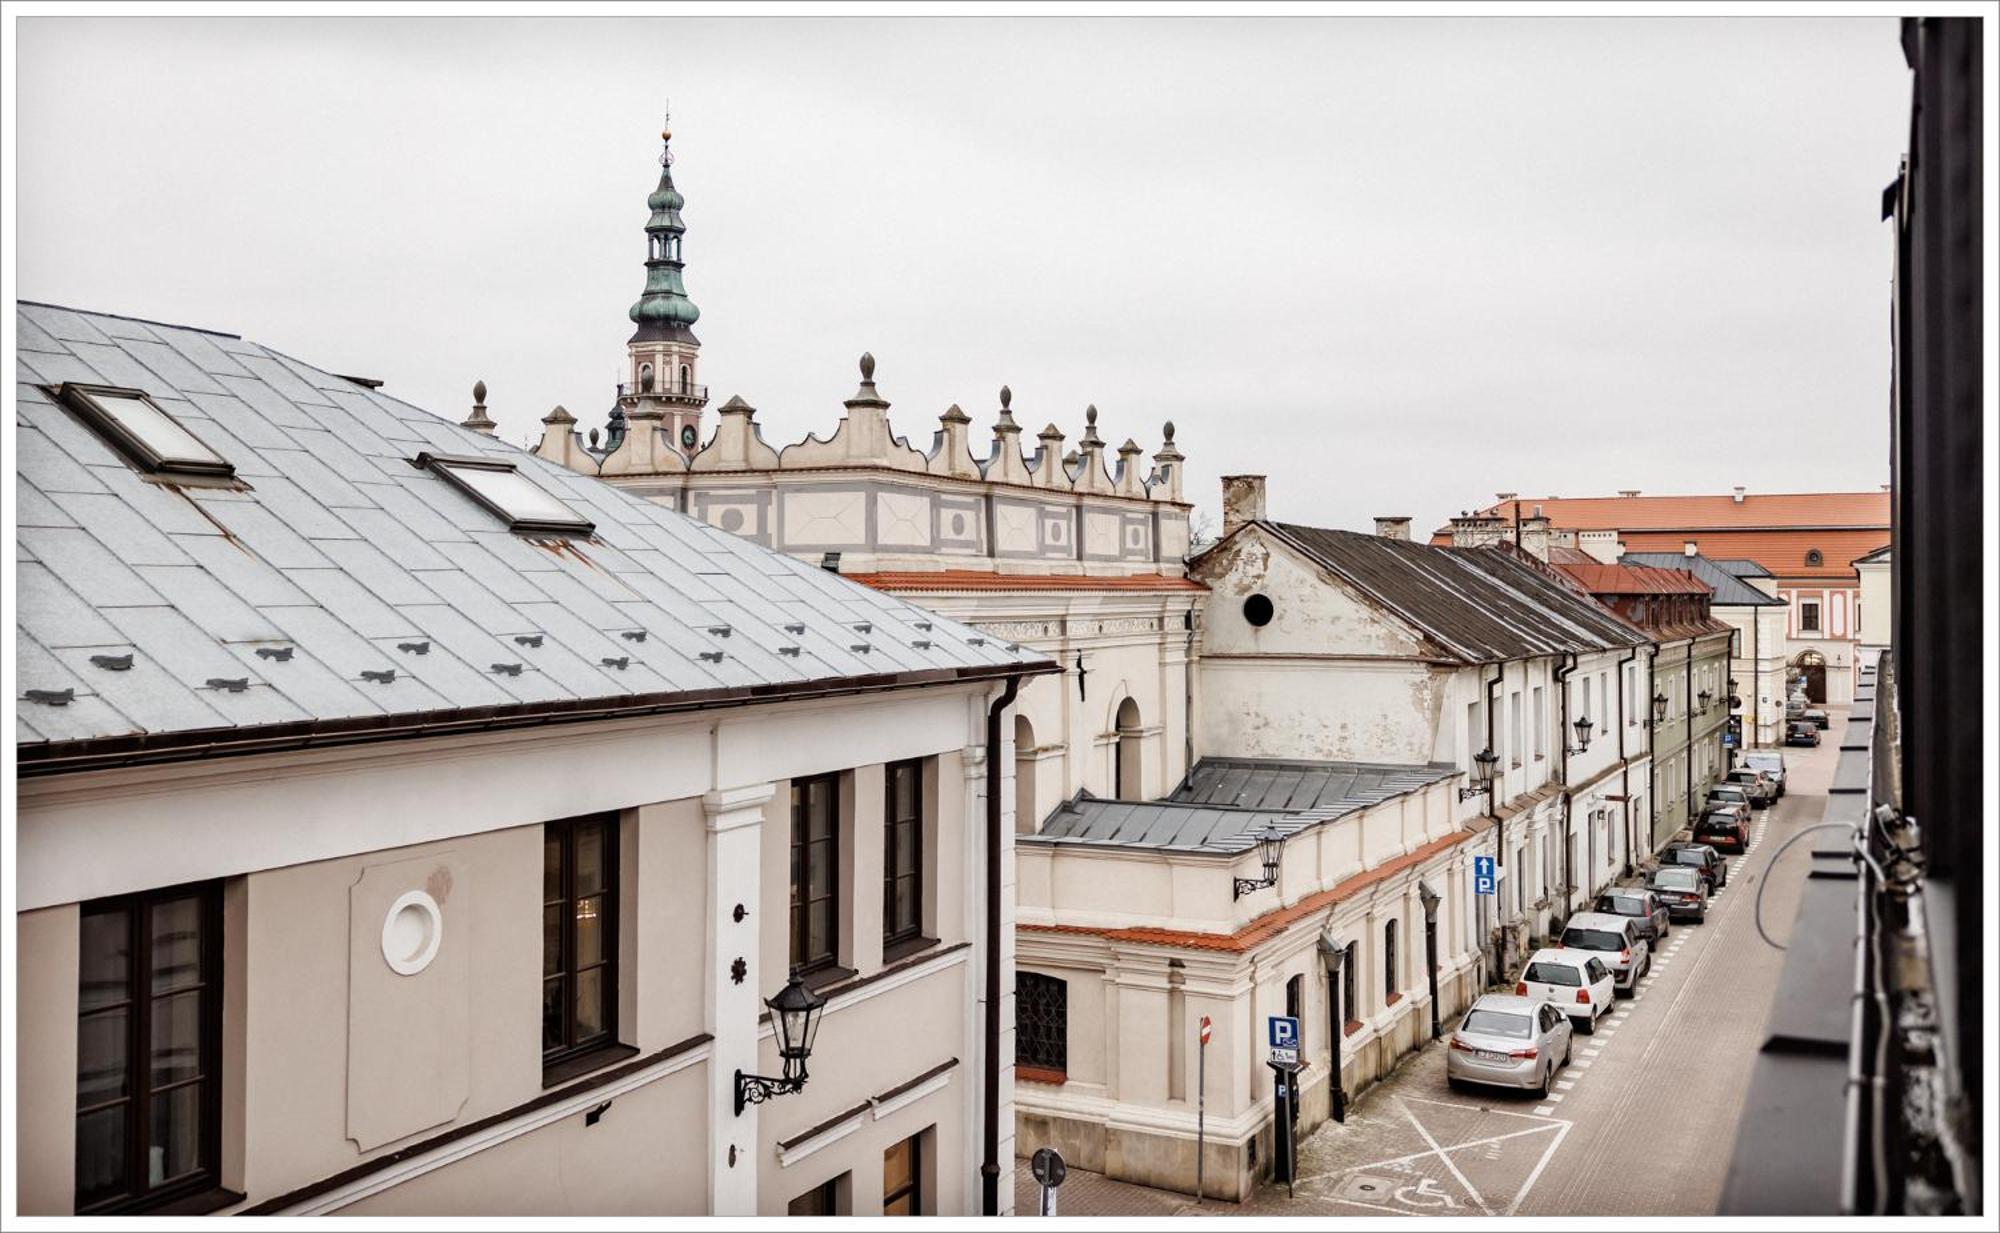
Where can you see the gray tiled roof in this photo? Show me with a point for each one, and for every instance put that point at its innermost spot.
(1226, 803)
(1743, 567)
(1479, 604)
(1721, 576)
(273, 604)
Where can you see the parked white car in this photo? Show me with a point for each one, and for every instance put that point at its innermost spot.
(1575, 982)
(1771, 762)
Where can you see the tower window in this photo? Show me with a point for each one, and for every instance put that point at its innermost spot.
(139, 429)
(506, 492)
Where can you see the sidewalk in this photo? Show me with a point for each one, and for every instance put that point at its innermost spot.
(1093, 1194)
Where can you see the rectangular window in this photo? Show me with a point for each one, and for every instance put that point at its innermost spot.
(149, 1049)
(1391, 974)
(1809, 616)
(1629, 702)
(903, 853)
(1350, 984)
(1541, 715)
(505, 492)
(903, 1177)
(579, 943)
(815, 872)
(1514, 728)
(825, 1199)
(1586, 712)
(1604, 702)
(1475, 732)
(1041, 1022)
(136, 426)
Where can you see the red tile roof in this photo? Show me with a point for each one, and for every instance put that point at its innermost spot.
(986, 580)
(1601, 579)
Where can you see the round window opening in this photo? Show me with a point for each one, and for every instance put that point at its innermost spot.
(411, 933)
(1258, 610)
(1814, 557)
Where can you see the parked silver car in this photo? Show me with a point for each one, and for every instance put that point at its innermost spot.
(1655, 922)
(1759, 787)
(1508, 1041)
(1769, 761)
(1616, 940)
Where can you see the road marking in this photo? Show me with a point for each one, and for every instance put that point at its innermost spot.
(1541, 1164)
(1439, 1149)
(1582, 1064)
(1565, 1084)
(1593, 1051)
(1544, 1110)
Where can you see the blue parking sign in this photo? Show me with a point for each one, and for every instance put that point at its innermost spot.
(1284, 1032)
(1482, 875)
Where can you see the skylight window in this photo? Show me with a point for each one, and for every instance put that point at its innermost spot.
(506, 492)
(137, 426)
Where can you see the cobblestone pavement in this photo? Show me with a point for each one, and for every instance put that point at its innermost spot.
(1641, 1123)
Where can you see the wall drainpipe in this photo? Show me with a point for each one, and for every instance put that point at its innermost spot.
(989, 1168)
(1624, 766)
(1562, 675)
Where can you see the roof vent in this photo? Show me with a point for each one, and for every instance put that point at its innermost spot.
(1628, 492)
(1739, 494)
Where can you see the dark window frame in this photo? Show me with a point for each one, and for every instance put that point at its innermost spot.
(81, 398)
(140, 1196)
(805, 955)
(909, 887)
(1350, 985)
(1391, 986)
(1041, 1021)
(913, 1190)
(826, 1194)
(572, 1056)
(1809, 616)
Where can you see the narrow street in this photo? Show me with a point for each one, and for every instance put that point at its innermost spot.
(1640, 1124)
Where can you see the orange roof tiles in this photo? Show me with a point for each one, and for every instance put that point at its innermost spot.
(986, 580)
(1781, 552)
(1601, 579)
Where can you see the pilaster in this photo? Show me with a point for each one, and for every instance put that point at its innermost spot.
(735, 819)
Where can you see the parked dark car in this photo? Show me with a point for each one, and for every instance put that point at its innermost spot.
(1642, 905)
(1818, 720)
(1801, 733)
(1723, 829)
(1699, 856)
(1682, 889)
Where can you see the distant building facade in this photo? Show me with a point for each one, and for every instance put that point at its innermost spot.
(1807, 541)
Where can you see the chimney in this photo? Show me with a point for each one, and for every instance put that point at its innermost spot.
(1601, 545)
(1535, 536)
(1242, 501)
(1628, 492)
(1506, 496)
(1739, 494)
(1688, 549)
(1394, 526)
(1474, 530)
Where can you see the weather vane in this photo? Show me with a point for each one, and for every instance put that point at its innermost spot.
(667, 137)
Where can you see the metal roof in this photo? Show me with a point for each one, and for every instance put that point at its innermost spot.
(1730, 589)
(339, 589)
(1743, 567)
(1480, 604)
(1225, 803)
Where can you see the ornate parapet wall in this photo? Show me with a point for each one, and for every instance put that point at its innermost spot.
(883, 504)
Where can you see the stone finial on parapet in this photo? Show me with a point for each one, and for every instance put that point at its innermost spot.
(1006, 464)
(861, 439)
(1127, 479)
(560, 445)
(1166, 482)
(737, 445)
(478, 421)
(1048, 463)
(951, 448)
(1091, 476)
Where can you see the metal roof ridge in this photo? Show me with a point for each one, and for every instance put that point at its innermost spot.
(165, 325)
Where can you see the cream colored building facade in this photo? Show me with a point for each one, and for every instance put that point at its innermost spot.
(409, 826)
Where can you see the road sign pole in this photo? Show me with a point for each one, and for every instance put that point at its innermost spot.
(1201, 1112)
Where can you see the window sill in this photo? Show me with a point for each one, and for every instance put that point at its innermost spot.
(1351, 1027)
(1391, 1000)
(564, 1069)
(200, 1203)
(893, 951)
(1040, 1074)
(826, 975)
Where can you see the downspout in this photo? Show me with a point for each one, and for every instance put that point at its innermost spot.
(1687, 744)
(1624, 766)
(1756, 677)
(1652, 754)
(1562, 675)
(1500, 827)
(1187, 693)
(989, 1169)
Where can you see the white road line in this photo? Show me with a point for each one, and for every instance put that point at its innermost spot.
(1593, 1051)
(1565, 1084)
(1439, 1147)
(1541, 1164)
(1556, 1098)
(1585, 1063)
(1544, 1110)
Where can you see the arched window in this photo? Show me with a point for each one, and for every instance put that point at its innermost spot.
(684, 379)
(1041, 1022)
(1026, 819)
(1125, 764)
(1391, 974)
(1815, 557)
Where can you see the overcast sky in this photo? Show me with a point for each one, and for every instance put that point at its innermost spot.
(1398, 265)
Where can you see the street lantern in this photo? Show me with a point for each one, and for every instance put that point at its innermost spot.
(795, 1011)
(1659, 708)
(1703, 697)
(1483, 763)
(1270, 851)
(1582, 726)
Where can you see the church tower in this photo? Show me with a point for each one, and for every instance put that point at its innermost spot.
(663, 372)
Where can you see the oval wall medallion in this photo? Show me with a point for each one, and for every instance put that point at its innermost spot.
(411, 933)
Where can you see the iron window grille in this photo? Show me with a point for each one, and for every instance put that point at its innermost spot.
(143, 432)
(579, 939)
(815, 924)
(903, 853)
(149, 1049)
(501, 489)
(1041, 1021)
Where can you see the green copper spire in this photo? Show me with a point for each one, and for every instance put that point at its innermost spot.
(664, 310)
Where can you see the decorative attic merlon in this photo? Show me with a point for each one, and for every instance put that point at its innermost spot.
(1048, 463)
(951, 448)
(861, 439)
(1005, 463)
(1090, 475)
(738, 443)
(647, 449)
(1165, 484)
(560, 443)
